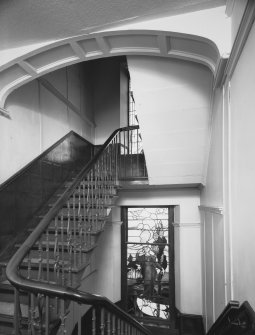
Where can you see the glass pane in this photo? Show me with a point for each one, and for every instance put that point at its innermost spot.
(148, 262)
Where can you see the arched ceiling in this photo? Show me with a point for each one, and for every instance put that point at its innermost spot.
(73, 50)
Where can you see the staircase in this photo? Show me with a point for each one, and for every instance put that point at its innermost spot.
(39, 291)
(47, 268)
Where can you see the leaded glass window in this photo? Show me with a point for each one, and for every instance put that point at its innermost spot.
(149, 262)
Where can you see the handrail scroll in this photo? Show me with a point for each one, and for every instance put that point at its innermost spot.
(49, 264)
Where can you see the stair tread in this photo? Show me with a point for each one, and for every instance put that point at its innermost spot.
(61, 245)
(35, 263)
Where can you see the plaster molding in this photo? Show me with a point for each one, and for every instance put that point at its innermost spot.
(230, 4)
(46, 84)
(216, 210)
(240, 40)
(27, 67)
(85, 47)
(187, 224)
(5, 113)
(78, 50)
(220, 75)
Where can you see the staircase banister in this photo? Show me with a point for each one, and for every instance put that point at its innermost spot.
(63, 198)
(32, 286)
(232, 305)
(66, 293)
(90, 164)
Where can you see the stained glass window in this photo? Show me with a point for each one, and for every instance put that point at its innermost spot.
(148, 262)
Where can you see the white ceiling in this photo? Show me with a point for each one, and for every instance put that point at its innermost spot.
(27, 22)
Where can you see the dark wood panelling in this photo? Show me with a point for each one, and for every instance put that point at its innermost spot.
(133, 166)
(24, 194)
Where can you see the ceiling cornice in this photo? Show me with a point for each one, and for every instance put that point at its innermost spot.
(81, 48)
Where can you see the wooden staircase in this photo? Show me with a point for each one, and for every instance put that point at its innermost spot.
(47, 268)
(94, 200)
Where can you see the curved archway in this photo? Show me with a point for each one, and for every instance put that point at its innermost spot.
(106, 44)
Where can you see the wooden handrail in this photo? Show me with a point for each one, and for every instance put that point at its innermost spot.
(235, 317)
(233, 305)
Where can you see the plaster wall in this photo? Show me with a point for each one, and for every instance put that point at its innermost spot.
(103, 275)
(227, 236)
(173, 105)
(213, 223)
(242, 170)
(212, 194)
(39, 118)
(187, 239)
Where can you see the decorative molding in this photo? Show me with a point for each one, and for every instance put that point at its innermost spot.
(240, 40)
(220, 75)
(5, 113)
(230, 7)
(216, 210)
(28, 68)
(187, 224)
(162, 44)
(77, 50)
(104, 44)
(45, 83)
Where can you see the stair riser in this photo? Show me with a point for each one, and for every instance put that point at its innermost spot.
(9, 297)
(84, 212)
(90, 240)
(79, 257)
(90, 184)
(92, 201)
(71, 278)
(6, 328)
(75, 227)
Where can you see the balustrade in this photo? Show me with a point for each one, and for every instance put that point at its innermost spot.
(49, 264)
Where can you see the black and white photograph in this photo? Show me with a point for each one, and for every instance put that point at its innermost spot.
(127, 171)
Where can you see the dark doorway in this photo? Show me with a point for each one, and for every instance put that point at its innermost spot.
(148, 288)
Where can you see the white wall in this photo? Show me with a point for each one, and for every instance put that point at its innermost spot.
(216, 281)
(105, 280)
(227, 222)
(187, 239)
(242, 172)
(173, 106)
(39, 118)
(212, 195)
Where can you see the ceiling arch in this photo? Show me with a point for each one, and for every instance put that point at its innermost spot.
(81, 48)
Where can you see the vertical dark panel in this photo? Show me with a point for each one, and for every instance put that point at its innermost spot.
(124, 219)
(171, 262)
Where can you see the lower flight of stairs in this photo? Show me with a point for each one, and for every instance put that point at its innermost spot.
(84, 261)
